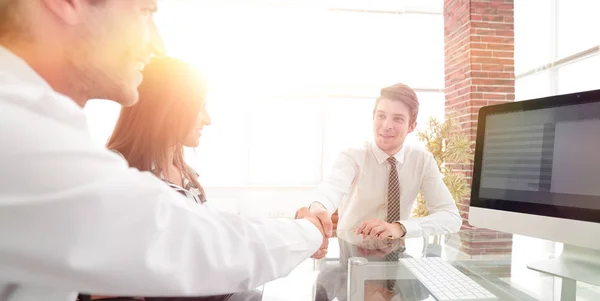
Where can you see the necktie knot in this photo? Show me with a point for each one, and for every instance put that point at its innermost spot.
(392, 161)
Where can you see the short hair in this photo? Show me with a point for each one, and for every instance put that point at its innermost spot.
(403, 93)
(8, 18)
(11, 20)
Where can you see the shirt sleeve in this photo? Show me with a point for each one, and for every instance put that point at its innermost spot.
(443, 215)
(338, 184)
(75, 217)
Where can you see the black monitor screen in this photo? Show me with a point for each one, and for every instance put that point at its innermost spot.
(541, 157)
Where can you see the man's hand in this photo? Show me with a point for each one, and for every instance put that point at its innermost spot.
(334, 220)
(323, 215)
(378, 248)
(373, 253)
(305, 213)
(379, 229)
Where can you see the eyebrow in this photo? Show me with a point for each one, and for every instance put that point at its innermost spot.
(395, 115)
(153, 4)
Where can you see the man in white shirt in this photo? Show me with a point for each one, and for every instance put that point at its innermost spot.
(73, 216)
(374, 187)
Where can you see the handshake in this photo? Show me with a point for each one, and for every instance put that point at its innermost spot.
(327, 224)
(321, 218)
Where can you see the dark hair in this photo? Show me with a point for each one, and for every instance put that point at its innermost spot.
(403, 93)
(7, 19)
(171, 96)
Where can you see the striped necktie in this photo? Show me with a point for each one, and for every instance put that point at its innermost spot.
(393, 197)
(393, 209)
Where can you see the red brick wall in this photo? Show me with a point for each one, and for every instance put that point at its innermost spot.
(479, 70)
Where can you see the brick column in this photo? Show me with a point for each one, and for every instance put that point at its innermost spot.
(479, 70)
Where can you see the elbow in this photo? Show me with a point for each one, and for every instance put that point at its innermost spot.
(456, 225)
(456, 222)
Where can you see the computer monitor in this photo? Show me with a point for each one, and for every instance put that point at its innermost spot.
(537, 173)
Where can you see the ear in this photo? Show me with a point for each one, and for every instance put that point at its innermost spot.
(412, 127)
(70, 12)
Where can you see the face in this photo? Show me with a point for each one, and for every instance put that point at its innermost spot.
(193, 137)
(115, 43)
(391, 125)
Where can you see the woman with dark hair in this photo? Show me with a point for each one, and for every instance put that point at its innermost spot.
(170, 115)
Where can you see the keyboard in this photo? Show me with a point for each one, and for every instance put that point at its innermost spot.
(444, 281)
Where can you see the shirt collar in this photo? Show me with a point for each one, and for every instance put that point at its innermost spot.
(16, 66)
(35, 93)
(381, 156)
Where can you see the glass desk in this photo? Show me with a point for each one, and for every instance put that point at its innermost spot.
(498, 263)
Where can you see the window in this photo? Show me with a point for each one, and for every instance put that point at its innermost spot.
(579, 76)
(533, 86)
(533, 34)
(287, 142)
(551, 32)
(577, 22)
(378, 49)
(292, 84)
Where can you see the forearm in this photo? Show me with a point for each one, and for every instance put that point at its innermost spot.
(124, 242)
(443, 215)
(439, 222)
(337, 185)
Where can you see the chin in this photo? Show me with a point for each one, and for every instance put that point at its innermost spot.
(386, 146)
(130, 98)
(125, 97)
(192, 145)
(382, 143)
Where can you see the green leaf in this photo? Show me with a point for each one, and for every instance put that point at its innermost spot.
(448, 143)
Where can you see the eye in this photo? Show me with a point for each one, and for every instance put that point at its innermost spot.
(380, 116)
(148, 11)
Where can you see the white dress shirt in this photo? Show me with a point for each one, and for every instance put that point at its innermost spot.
(358, 185)
(74, 217)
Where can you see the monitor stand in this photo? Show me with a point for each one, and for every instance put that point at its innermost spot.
(575, 263)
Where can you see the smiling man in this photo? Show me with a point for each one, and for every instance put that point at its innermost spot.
(375, 186)
(73, 216)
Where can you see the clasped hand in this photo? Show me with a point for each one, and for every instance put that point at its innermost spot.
(378, 248)
(322, 220)
(377, 228)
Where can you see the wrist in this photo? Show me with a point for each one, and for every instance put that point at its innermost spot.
(401, 229)
(302, 212)
(316, 205)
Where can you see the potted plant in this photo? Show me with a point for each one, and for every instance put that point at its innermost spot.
(449, 144)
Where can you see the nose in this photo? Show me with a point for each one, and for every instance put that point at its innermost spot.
(157, 46)
(207, 120)
(387, 124)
